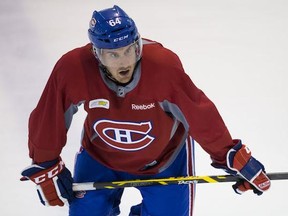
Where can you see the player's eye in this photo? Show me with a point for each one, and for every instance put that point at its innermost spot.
(113, 55)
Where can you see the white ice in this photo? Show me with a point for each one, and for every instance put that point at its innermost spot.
(235, 51)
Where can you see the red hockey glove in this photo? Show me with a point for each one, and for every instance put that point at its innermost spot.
(241, 162)
(53, 181)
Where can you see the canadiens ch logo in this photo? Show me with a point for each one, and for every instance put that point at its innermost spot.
(125, 136)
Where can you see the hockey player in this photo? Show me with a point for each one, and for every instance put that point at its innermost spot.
(143, 113)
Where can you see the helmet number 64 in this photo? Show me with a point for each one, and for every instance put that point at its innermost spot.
(115, 21)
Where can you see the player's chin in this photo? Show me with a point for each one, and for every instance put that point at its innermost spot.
(124, 80)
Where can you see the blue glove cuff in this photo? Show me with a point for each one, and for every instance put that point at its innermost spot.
(35, 168)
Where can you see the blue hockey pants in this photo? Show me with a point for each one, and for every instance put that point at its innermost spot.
(170, 200)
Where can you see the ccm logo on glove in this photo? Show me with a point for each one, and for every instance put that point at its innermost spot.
(49, 174)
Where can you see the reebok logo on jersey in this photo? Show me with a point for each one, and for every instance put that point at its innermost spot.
(99, 103)
(143, 106)
(127, 136)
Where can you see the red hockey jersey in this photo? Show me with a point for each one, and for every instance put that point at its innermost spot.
(138, 128)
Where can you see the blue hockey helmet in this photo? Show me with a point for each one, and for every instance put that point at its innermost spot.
(112, 28)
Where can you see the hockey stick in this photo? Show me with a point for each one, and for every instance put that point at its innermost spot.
(168, 181)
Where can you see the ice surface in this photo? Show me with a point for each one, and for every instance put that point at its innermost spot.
(236, 51)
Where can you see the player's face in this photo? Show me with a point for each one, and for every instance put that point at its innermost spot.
(120, 62)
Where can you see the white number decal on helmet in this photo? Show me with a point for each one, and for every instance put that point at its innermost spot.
(114, 22)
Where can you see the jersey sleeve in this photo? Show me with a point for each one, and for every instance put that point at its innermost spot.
(206, 125)
(50, 120)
